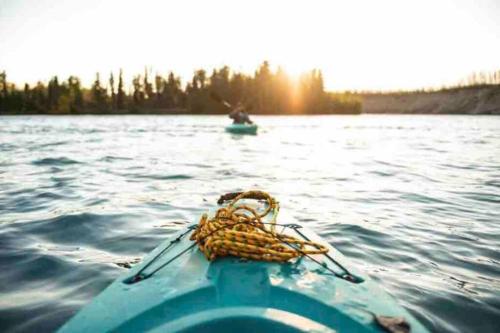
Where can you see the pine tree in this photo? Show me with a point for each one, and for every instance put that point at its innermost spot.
(3, 91)
(53, 94)
(26, 98)
(75, 94)
(120, 96)
(98, 94)
(138, 94)
(200, 76)
(112, 88)
(148, 87)
(158, 87)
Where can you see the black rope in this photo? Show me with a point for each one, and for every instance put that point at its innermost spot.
(348, 275)
(139, 276)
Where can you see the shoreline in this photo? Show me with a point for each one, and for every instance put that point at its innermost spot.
(476, 100)
(472, 100)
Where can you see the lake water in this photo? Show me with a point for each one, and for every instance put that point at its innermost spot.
(412, 200)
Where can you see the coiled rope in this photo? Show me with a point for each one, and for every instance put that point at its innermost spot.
(239, 230)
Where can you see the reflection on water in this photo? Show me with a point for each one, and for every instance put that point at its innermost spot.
(414, 200)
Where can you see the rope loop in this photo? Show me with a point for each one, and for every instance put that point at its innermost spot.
(239, 230)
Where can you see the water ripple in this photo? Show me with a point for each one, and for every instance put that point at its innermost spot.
(82, 199)
(54, 161)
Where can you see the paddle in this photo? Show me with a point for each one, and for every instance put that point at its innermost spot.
(219, 99)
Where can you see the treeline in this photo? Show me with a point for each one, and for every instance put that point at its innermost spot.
(264, 92)
(481, 78)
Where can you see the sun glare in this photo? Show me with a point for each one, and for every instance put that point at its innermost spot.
(295, 70)
(357, 44)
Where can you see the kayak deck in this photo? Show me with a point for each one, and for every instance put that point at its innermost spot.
(187, 293)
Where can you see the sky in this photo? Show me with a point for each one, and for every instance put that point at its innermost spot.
(358, 45)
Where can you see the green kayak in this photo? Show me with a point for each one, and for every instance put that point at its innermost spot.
(176, 289)
(242, 129)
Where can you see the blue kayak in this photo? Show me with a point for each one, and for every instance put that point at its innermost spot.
(176, 289)
(242, 129)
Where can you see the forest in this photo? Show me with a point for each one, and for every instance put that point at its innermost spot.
(264, 92)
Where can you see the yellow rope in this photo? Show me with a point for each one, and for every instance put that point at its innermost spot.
(239, 230)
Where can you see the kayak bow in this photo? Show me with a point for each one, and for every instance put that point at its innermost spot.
(242, 129)
(176, 289)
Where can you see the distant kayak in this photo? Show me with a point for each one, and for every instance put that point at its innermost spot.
(176, 289)
(242, 129)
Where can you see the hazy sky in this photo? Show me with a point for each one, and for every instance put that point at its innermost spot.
(358, 44)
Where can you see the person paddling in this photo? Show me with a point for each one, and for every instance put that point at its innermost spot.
(239, 115)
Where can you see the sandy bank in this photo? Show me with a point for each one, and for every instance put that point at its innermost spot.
(469, 100)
